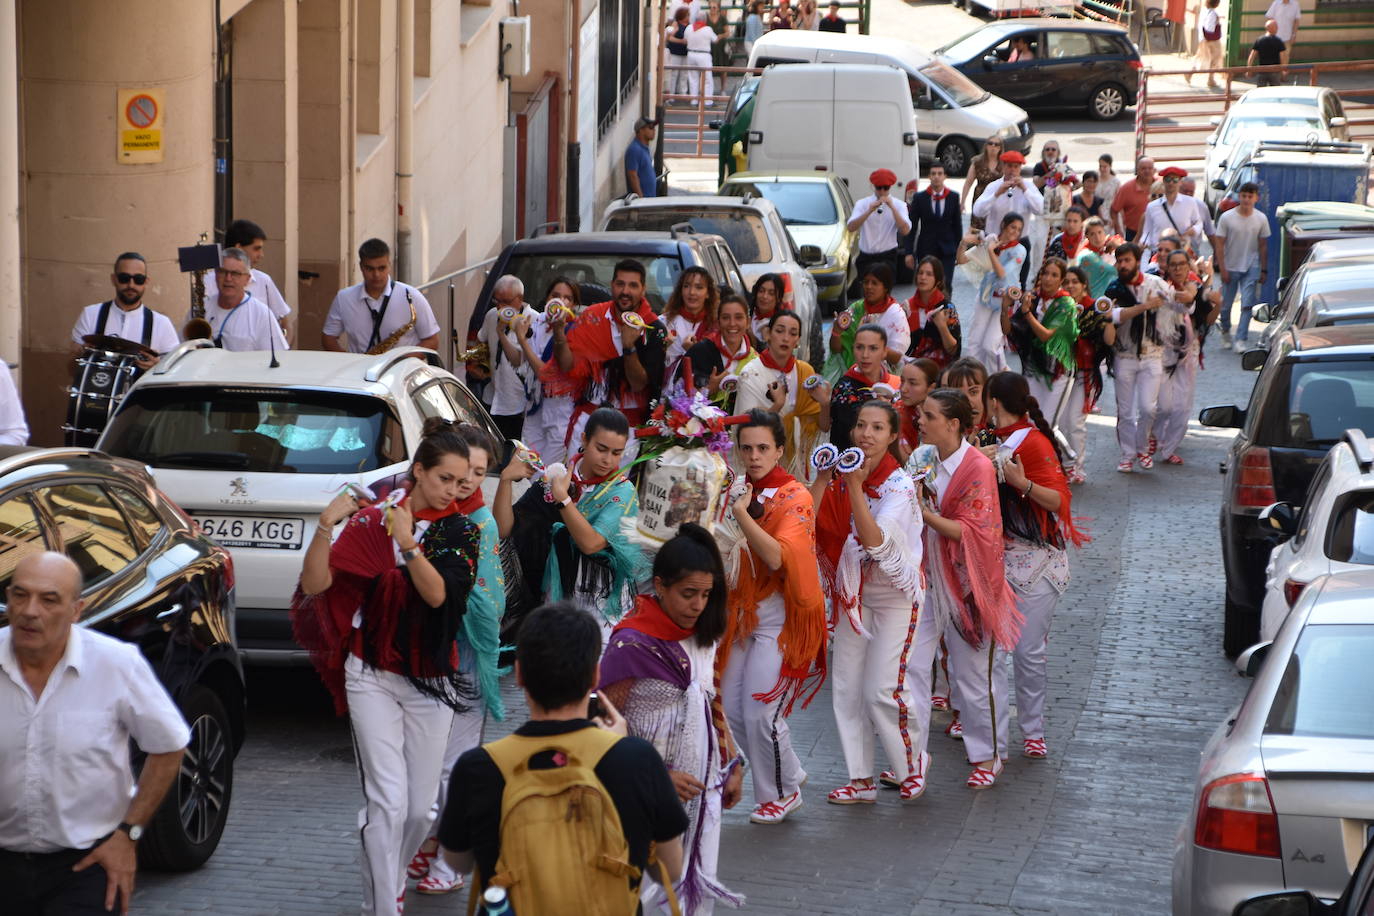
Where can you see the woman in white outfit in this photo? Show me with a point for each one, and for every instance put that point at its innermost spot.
(868, 539)
(985, 341)
(550, 411)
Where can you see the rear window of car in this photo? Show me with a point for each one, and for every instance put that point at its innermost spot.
(1060, 45)
(278, 430)
(742, 229)
(1247, 126)
(799, 203)
(1329, 666)
(538, 271)
(1310, 405)
(1351, 538)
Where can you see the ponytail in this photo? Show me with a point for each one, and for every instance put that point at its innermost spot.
(1011, 391)
(1038, 418)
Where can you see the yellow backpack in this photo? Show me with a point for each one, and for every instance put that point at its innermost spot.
(562, 847)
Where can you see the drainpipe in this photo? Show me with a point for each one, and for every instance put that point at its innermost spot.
(405, 134)
(11, 287)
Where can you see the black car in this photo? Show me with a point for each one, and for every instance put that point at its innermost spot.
(153, 579)
(1093, 66)
(1314, 385)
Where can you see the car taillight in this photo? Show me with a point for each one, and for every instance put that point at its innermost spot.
(1226, 204)
(1292, 589)
(1136, 64)
(1255, 482)
(1236, 814)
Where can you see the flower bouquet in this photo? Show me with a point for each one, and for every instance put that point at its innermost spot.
(685, 474)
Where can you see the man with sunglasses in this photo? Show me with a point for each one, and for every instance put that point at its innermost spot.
(1176, 211)
(126, 316)
(880, 219)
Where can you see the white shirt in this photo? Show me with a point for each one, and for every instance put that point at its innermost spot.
(944, 470)
(682, 333)
(1207, 22)
(1188, 213)
(995, 202)
(1150, 285)
(351, 313)
(1242, 235)
(700, 40)
(509, 395)
(248, 326)
(879, 232)
(1287, 13)
(127, 326)
(260, 284)
(14, 429)
(66, 780)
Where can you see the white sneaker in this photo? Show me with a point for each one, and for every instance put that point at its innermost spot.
(1242, 345)
(1226, 339)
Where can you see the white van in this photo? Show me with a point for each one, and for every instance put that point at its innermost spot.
(956, 114)
(849, 119)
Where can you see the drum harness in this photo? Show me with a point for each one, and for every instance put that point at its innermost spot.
(105, 316)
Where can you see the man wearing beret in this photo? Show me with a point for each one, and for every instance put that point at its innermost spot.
(1176, 211)
(1013, 194)
(879, 219)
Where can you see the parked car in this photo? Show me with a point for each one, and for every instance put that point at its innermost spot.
(1356, 900)
(1350, 275)
(1323, 310)
(814, 207)
(1322, 99)
(1330, 531)
(1297, 123)
(1315, 384)
(255, 453)
(1092, 66)
(1283, 797)
(750, 225)
(734, 127)
(955, 114)
(152, 579)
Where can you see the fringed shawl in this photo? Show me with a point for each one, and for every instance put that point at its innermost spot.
(486, 606)
(1042, 467)
(609, 572)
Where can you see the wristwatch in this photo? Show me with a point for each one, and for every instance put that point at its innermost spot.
(134, 831)
(408, 555)
(626, 351)
(565, 502)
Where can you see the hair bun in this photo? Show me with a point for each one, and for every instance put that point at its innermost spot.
(436, 425)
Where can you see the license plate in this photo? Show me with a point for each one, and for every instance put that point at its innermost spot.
(253, 531)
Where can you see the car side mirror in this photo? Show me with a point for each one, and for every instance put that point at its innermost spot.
(1262, 313)
(1252, 360)
(811, 255)
(1218, 184)
(1284, 903)
(1228, 416)
(717, 124)
(908, 139)
(1249, 662)
(1280, 518)
(991, 60)
(1338, 122)
(1214, 120)
(924, 102)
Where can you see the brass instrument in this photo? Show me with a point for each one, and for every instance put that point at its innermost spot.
(479, 354)
(197, 327)
(395, 337)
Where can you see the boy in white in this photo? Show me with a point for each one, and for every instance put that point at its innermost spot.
(1242, 253)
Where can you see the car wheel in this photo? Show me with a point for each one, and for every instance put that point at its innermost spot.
(1107, 102)
(1240, 629)
(955, 155)
(187, 827)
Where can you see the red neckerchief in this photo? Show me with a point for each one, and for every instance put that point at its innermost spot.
(585, 482)
(1180, 285)
(880, 309)
(699, 25)
(772, 480)
(1002, 432)
(472, 503)
(649, 618)
(1139, 278)
(1095, 249)
(857, 374)
(431, 514)
(766, 357)
(937, 195)
(1057, 294)
(1070, 243)
(936, 298)
(1005, 245)
(716, 338)
(880, 474)
(1086, 302)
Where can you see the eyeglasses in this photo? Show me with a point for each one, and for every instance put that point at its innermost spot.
(993, 143)
(1172, 178)
(135, 279)
(881, 187)
(232, 273)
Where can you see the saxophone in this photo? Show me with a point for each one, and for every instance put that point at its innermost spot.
(395, 337)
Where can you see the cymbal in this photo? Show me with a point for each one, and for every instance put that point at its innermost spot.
(118, 345)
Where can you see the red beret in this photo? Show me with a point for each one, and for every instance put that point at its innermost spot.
(1173, 171)
(1012, 155)
(883, 177)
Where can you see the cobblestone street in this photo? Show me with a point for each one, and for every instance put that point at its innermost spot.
(1137, 681)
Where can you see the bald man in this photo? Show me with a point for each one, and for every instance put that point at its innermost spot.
(70, 701)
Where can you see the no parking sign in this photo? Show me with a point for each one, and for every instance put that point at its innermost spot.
(139, 125)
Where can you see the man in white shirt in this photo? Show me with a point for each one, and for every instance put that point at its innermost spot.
(379, 314)
(1242, 260)
(125, 316)
(1287, 14)
(880, 219)
(1013, 194)
(71, 699)
(512, 383)
(14, 429)
(238, 320)
(1144, 320)
(249, 237)
(1176, 211)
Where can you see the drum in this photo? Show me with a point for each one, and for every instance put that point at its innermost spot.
(104, 371)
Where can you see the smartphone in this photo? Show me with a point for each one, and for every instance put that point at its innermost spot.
(594, 708)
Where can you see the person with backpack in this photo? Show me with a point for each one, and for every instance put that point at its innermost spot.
(568, 779)
(659, 669)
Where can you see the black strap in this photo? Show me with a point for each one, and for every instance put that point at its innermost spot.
(104, 316)
(147, 326)
(377, 317)
(1164, 202)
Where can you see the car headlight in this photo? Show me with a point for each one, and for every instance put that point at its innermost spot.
(1011, 130)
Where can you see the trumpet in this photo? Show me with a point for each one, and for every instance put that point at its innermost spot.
(1103, 305)
(729, 383)
(506, 314)
(884, 391)
(480, 354)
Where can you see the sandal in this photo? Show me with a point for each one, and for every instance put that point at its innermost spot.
(850, 794)
(982, 778)
(433, 884)
(775, 812)
(1125, 465)
(888, 779)
(1146, 462)
(1034, 748)
(1076, 476)
(419, 863)
(939, 702)
(1173, 459)
(955, 730)
(915, 784)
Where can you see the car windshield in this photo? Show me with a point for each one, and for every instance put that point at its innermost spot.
(743, 95)
(1324, 399)
(279, 430)
(971, 45)
(1329, 666)
(799, 203)
(1352, 530)
(742, 228)
(538, 270)
(961, 90)
(1254, 126)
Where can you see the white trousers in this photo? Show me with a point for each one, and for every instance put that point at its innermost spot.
(1028, 659)
(979, 677)
(985, 341)
(700, 62)
(759, 727)
(875, 680)
(1176, 404)
(546, 430)
(1074, 421)
(399, 736)
(1137, 401)
(463, 735)
(1047, 396)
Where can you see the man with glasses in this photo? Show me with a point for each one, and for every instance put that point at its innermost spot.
(1185, 214)
(238, 319)
(879, 219)
(251, 238)
(125, 316)
(380, 313)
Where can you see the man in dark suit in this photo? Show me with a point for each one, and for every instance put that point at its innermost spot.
(832, 21)
(937, 223)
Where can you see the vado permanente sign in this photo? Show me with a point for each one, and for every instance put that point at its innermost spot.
(139, 131)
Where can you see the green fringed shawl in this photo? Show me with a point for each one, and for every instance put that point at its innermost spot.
(842, 357)
(481, 631)
(1061, 317)
(604, 507)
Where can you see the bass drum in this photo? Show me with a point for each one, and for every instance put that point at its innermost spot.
(104, 372)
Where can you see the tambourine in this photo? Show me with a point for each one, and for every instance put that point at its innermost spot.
(1103, 304)
(1014, 292)
(632, 319)
(825, 457)
(729, 383)
(844, 320)
(851, 459)
(884, 390)
(557, 308)
(507, 313)
(528, 455)
(813, 382)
